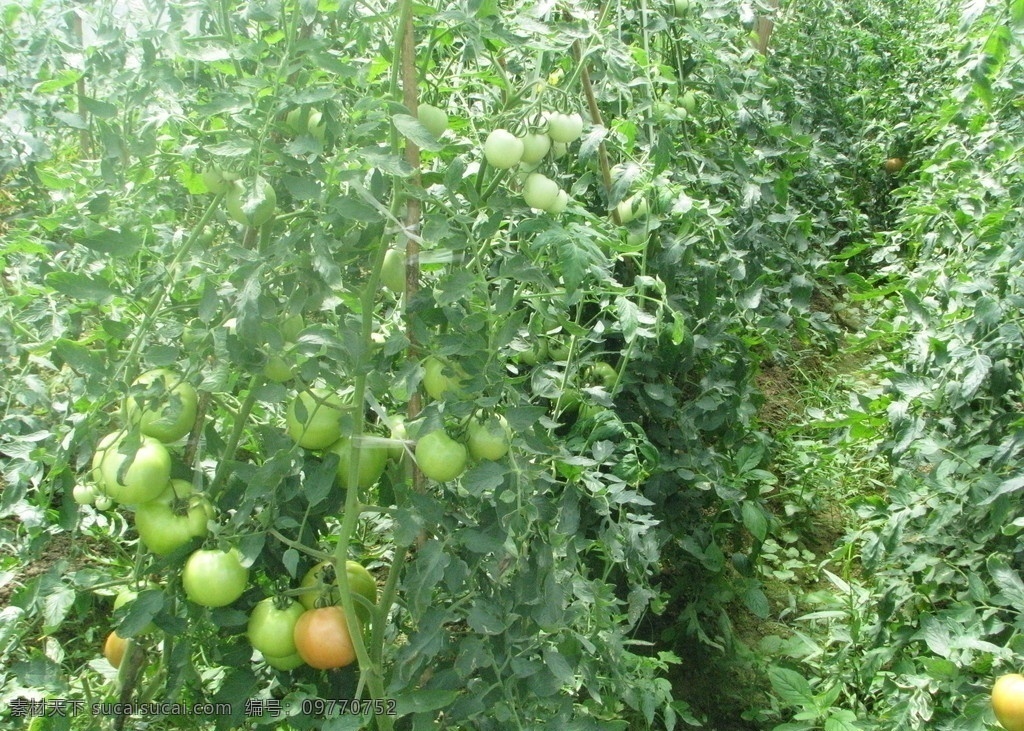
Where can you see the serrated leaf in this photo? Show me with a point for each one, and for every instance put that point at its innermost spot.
(112, 241)
(79, 357)
(80, 286)
(414, 131)
(756, 601)
(1013, 484)
(1011, 588)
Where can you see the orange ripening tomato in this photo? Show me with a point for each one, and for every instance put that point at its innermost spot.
(322, 638)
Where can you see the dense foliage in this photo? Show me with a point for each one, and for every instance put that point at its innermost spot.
(489, 306)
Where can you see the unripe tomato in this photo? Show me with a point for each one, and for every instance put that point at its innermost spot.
(162, 404)
(565, 128)
(560, 204)
(489, 439)
(540, 191)
(559, 150)
(288, 662)
(321, 585)
(502, 149)
(278, 369)
(114, 649)
(392, 271)
(271, 626)
(535, 147)
(894, 165)
(433, 118)
(314, 418)
(631, 209)
(688, 102)
(217, 181)
(1008, 701)
(398, 435)
(129, 476)
(372, 461)
(214, 578)
(251, 202)
(163, 528)
(315, 126)
(681, 7)
(291, 327)
(441, 379)
(322, 638)
(440, 457)
(84, 494)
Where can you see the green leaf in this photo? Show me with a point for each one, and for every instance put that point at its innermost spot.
(1011, 588)
(112, 241)
(754, 520)
(420, 701)
(79, 357)
(80, 286)
(414, 131)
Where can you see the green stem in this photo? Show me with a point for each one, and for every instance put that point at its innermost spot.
(236, 434)
(157, 302)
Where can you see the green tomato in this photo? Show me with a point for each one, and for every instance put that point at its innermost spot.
(540, 191)
(538, 351)
(489, 439)
(176, 491)
(278, 369)
(433, 118)
(291, 327)
(162, 404)
(314, 418)
(392, 271)
(214, 578)
(320, 586)
(603, 373)
(251, 202)
(216, 180)
(271, 626)
(536, 146)
(502, 149)
(440, 457)
(688, 102)
(84, 494)
(103, 502)
(441, 379)
(398, 435)
(130, 475)
(631, 209)
(314, 126)
(565, 128)
(164, 528)
(560, 204)
(288, 662)
(372, 461)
